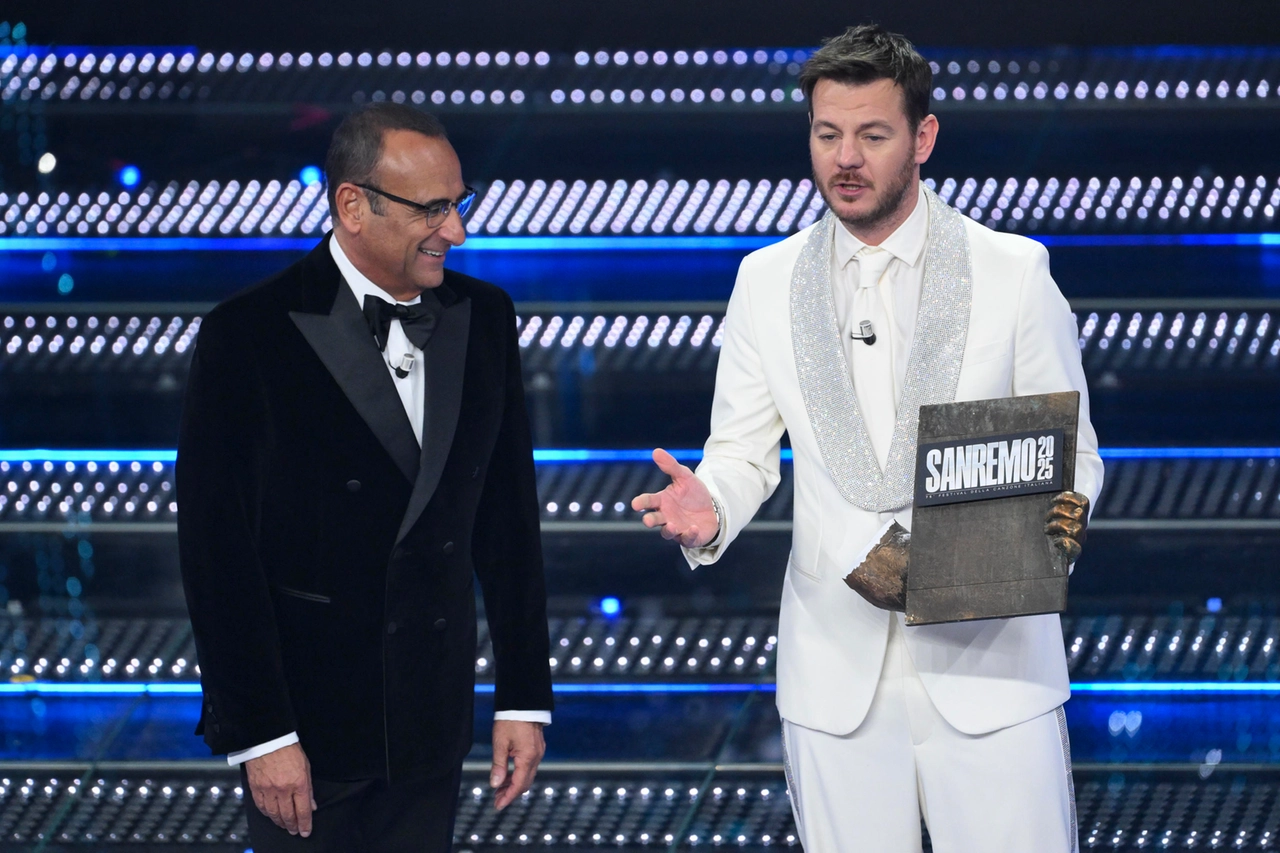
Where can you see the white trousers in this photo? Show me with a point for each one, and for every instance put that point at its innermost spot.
(1008, 791)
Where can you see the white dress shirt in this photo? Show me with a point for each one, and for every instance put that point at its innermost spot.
(900, 286)
(411, 389)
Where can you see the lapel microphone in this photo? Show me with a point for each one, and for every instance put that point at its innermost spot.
(405, 365)
(865, 333)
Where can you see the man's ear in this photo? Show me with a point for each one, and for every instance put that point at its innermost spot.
(349, 207)
(926, 137)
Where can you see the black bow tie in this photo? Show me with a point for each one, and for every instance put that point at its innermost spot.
(418, 321)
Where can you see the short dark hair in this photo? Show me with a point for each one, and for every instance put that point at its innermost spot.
(865, 54)
(356, 146)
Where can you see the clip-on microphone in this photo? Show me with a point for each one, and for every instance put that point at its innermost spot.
(865, 333)
(406, 364)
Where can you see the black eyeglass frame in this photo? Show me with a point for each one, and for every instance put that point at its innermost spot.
(436, 212)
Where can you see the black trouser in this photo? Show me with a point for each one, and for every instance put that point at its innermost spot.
(367, 816)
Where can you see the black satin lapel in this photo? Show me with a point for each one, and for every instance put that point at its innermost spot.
(446, 358)
(342, 341)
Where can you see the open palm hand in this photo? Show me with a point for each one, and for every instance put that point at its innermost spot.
(683, 510)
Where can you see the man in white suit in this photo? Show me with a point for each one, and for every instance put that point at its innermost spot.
(961, 723)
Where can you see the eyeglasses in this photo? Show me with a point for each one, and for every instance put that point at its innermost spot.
(435, 213)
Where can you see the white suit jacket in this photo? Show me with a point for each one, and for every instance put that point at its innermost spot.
(982, 675)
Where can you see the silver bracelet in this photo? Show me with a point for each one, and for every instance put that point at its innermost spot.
(715, 506)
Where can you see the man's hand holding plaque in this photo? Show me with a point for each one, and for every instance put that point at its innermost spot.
(881, 578)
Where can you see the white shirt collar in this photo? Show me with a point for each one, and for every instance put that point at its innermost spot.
(359, 283)
(906, 243)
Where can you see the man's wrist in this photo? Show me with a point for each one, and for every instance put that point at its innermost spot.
(719, 511)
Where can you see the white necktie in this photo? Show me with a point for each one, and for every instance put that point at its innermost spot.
(873, 364)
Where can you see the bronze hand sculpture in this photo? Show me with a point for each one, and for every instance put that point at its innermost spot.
(882, 577)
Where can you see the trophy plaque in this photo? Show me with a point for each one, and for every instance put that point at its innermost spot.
(986, 474)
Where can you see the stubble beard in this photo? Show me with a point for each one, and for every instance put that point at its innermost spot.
(890, 202)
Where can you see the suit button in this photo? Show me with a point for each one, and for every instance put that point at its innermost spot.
(353, 485)
(391, 627)
(440, 624)
(216, 728)
(448, 548)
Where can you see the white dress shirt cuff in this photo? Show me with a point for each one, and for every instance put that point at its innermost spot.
(240, 757)
(543, 717)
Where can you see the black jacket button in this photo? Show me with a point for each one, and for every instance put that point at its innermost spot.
(440, 624)
(391, 627)
(353, 485)
(448, 548)
(216, 728)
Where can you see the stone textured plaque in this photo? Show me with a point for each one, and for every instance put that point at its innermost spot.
(986, 475)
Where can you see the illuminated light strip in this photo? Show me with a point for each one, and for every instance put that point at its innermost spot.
(583, 455)
(577, 244)
(187, 688)
(47, 688)
(43, 455)
(1263, 687)
(1190, 453)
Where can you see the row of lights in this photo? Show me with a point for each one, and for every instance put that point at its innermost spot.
(102, 789)
(639, 207)
(94, 669)
(592, 652)
(641, 655)
(28, 62)
(746, 207)
(1225, 338)
(1020, 92)
(36, 63)
(776, 802)
(1013, 204)
(631, 331)
(211, 210)
(1141, 90)
(1239, 337)
(107, 491)
(1202, 488)
(1167, 640)
(601, 652)
(110, 62)
(643, 838)
(97, 336)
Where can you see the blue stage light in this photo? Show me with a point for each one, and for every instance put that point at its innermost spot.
(310, 175)
(1213, 605)
(610, 606)
(190, 688)
(129, 176)
(580, 244)
(583, 456)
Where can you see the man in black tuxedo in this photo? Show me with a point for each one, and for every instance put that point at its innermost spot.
(354, 451)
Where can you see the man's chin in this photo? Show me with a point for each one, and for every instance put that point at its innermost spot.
(858, 215)
(427, 276)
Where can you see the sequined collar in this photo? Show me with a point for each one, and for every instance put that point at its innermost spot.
(933, 371)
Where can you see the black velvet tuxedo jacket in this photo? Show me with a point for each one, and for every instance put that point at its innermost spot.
(328, 562)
